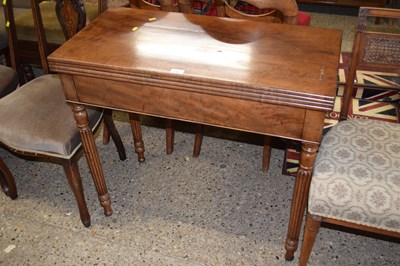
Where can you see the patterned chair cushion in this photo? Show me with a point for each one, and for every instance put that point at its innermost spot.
(356, 176)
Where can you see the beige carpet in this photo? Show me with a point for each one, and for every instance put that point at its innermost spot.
(345, 23)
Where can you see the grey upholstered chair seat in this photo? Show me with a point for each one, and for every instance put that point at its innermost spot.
(8, 81)
(356, 177)
(35, 118)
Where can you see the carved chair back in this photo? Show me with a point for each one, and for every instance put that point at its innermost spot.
(72, 16)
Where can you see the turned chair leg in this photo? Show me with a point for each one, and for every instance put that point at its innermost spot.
(75, 182)
(199, 132)
(7, 181)
(109, 124)
(198, 139)
(28, 72)
(106, 135)
(25, 73)
(266, 153)
(134, 120)
(169, 136)
(311, 228)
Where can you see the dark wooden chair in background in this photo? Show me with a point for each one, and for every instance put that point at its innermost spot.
(20, 7)
(26, 42)
(356, 180)
(36, 121)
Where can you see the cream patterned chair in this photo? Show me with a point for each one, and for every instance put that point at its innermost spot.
(356, 179)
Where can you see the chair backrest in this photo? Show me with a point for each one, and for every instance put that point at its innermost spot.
(40, 35)
(372, 49)
(72, 17)
(280, 10)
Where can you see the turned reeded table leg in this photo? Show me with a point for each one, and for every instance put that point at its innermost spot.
(92, 156)
(300, 196)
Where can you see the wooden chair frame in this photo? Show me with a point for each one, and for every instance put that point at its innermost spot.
(313, 224)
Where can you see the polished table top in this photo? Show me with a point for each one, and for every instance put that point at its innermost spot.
(271, 79)
(273, 63)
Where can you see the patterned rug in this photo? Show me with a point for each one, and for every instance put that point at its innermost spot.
(369, 102)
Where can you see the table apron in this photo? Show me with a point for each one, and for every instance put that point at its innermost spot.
(226, 112)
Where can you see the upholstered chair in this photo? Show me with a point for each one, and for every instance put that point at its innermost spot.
(356, 179)
(28, 51)
(36, 121)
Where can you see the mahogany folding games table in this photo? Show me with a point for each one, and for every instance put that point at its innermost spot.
(266, 78)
